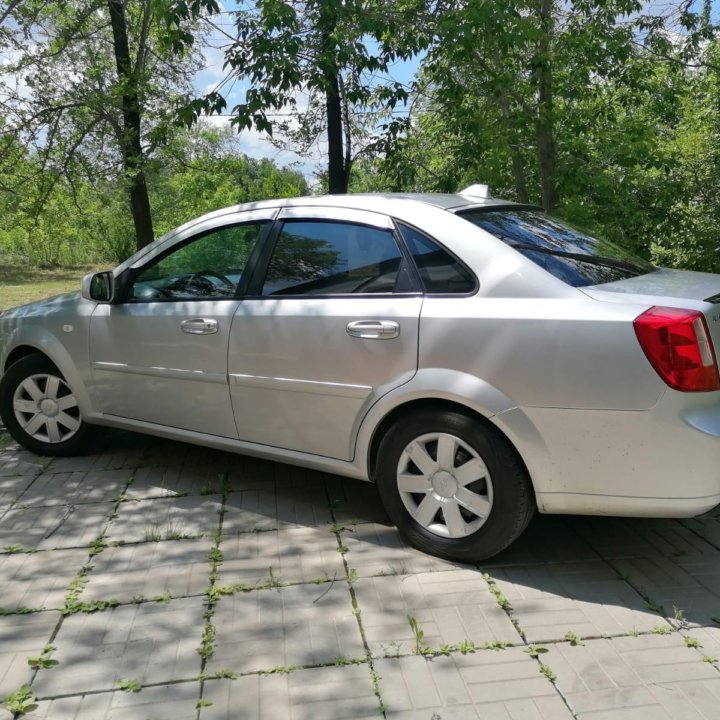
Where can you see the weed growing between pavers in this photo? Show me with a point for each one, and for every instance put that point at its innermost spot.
(20, 610)
(44, 660)
(21, 701)
(76, 587)
(573, 639)
(17, 549)
(337, 529)
(213, 593)
(421, 645)
(534, 651)
(130, 686)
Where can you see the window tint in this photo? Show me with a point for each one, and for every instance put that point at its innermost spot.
(332, 258)
(439, 271)
(568, 254)
(207, 268)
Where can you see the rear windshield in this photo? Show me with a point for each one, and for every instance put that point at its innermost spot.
(568, 254)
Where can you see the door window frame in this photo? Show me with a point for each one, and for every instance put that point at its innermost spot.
(127, 277)
(361, 218)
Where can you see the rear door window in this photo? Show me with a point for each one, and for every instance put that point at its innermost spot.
(314, 257)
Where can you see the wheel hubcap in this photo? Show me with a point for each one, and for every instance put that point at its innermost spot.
(46, 409)
(445, 485)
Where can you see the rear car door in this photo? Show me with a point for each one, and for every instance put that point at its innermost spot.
(330, 324)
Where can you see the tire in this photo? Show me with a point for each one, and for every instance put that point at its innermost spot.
(40, 411)
(428, 460)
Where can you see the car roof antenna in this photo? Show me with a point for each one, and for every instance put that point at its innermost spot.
(477, 190)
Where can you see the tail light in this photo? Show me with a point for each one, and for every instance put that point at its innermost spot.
(678, 345)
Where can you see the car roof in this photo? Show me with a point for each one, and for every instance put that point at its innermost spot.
(378, 202)
(381, 202)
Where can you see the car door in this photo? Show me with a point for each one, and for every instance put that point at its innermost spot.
(330, 325)
(159, 355)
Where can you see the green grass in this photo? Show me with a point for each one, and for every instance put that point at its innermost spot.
(20, 284)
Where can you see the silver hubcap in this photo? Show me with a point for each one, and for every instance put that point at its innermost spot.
(46, 408)
(444, 485)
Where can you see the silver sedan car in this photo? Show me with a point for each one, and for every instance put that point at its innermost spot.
(475, 358)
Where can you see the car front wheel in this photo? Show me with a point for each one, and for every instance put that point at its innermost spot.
(40, 410)
(453, 487)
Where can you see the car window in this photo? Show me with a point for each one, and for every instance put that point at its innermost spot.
(207, 268)
(439, 271)
(332, 258)
(569, 254)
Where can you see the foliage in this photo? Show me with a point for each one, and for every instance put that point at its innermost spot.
(337, 54)
(199, 171)
(20, 702)
(634, 124)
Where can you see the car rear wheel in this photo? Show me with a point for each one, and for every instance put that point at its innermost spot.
(453, 487)
(40, 410)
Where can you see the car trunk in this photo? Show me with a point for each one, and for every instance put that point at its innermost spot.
(670, 288)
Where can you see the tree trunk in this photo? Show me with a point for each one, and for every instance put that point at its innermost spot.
(130, 144)
(337, 177)
(545, 119)
(518, 166)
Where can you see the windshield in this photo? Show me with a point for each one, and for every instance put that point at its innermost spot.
(568, 254)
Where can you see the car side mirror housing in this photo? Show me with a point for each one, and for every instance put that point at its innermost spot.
(99, 287)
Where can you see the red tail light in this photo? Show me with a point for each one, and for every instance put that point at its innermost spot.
(678, 345)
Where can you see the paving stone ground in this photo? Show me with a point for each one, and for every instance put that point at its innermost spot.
(154, 580)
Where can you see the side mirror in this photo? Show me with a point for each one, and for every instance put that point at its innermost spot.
(99, 286)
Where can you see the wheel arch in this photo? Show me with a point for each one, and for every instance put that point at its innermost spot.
(470, 396)
(21, 351)
(36, 340)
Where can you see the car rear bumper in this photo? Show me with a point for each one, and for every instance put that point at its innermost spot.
(662, 462)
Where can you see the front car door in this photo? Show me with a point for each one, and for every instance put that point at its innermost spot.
(329, 325)
(159, 355)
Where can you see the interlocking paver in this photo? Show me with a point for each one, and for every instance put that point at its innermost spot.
(486, 684)
(652, 676)
(173, 481)
(291, 555)
(548, 539)
(38, 580)
(63, 488)
(149, 570)
(15, 462)
(636, 537)
(166, 519)
(587, 598)
(60, 526)
(354, 500)
(149, 643)
(12, 487)
(449, 607)
(708, 637)
(165, 702)
(301, 504)
(688, 588)
(250, 511)
(295, 625)
(589, 576)
(22, 636)
(326, 693)
(274, 507)
(375, 549)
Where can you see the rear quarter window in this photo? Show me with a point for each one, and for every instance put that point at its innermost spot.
(440, 272)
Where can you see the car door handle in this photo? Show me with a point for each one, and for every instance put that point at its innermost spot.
(374, 329)
(199, 326)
